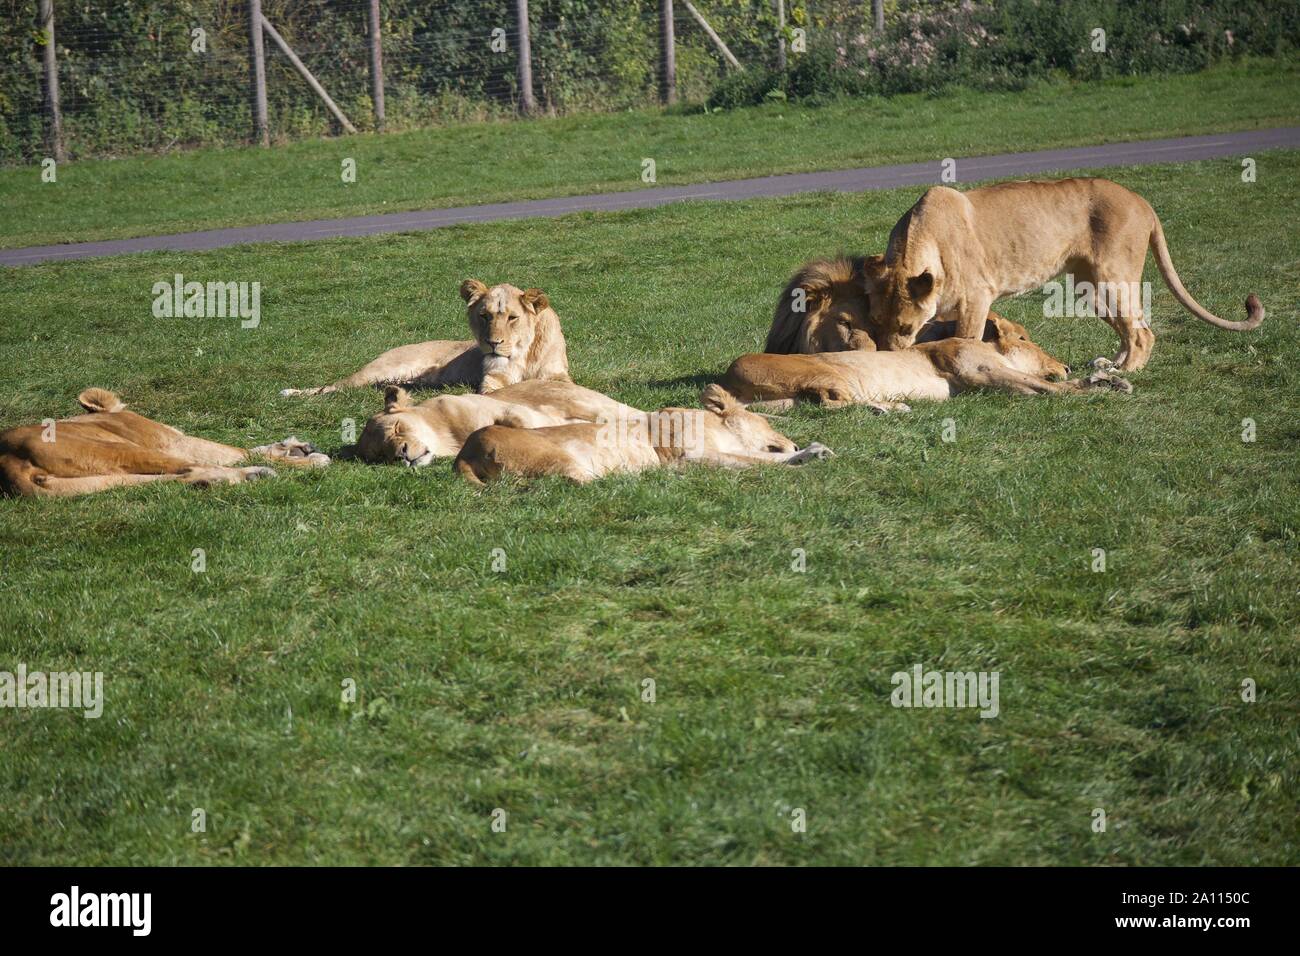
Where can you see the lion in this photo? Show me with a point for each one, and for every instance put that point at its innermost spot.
(824, 308)
(1007, 360)
(416, 435)
(516, 337)
(722, 433)
(110, 447)
(953, 254)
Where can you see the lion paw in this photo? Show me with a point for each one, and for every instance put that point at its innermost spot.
(291, 447)
(1101, 379)
(814, 452)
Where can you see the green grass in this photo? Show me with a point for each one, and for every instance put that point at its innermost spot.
(492, 162)
(521, 690)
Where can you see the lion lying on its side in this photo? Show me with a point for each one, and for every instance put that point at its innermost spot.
(1006, 360)
(722, 433)
(516, 337)
(415, 435)
(110, 447)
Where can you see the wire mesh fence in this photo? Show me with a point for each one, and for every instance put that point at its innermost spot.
(135, 75)
(155, 75)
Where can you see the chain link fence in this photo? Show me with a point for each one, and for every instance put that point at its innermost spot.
(164, 74)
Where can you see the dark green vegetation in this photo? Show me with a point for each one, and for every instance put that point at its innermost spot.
(522, 690)
(489, 162)
(132, 79)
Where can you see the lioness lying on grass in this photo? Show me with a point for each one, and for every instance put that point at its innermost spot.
(1006, 361)
(953, 254)
(110, 447)
(516, 337)
(722, 433)
(415, 435)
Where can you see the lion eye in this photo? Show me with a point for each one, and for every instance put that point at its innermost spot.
(514, 318)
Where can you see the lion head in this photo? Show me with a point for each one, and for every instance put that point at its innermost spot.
(750, 430)
(1013, 342)
(518, 333)
(823, 308)
(1010, 339)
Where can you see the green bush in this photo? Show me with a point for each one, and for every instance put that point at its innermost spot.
(130, 80)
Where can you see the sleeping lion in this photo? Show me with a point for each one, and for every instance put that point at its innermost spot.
(109, 447)
(722, 433)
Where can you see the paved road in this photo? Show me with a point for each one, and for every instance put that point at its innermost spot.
(1184, 149)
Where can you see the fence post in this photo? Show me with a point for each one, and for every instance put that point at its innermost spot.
(668, 54)
(376, 67)
(257, 73)
(527, 104)
(780, 35)
(305, 73)
(878, 13)
(712, 34)
(53, 118)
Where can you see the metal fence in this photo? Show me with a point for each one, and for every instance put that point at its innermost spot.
(107, 78)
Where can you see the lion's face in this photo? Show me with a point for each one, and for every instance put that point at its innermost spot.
(396, 438)
(503, 318)
(749, 429)
(1012, 341)
(403, 434)
(905, 291)
(839, 323)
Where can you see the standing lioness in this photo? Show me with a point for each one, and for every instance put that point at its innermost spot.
(953, 254)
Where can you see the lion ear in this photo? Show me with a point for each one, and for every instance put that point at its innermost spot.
(920, 287)
(471, 290)
(535, 300)
(718, 400)
(396, 398)
(100, 400)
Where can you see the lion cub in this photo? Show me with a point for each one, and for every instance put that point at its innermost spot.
(722, 433)
(516, 337)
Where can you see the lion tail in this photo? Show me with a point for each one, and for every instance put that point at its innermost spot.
(1254, 308)
(100, 400)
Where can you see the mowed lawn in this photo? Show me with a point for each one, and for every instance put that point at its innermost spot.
(522, 690)
(499, 161)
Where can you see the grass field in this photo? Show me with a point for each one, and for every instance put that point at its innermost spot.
(521, 690)
(491, 162)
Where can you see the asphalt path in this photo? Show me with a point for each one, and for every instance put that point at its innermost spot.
(967, 169)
